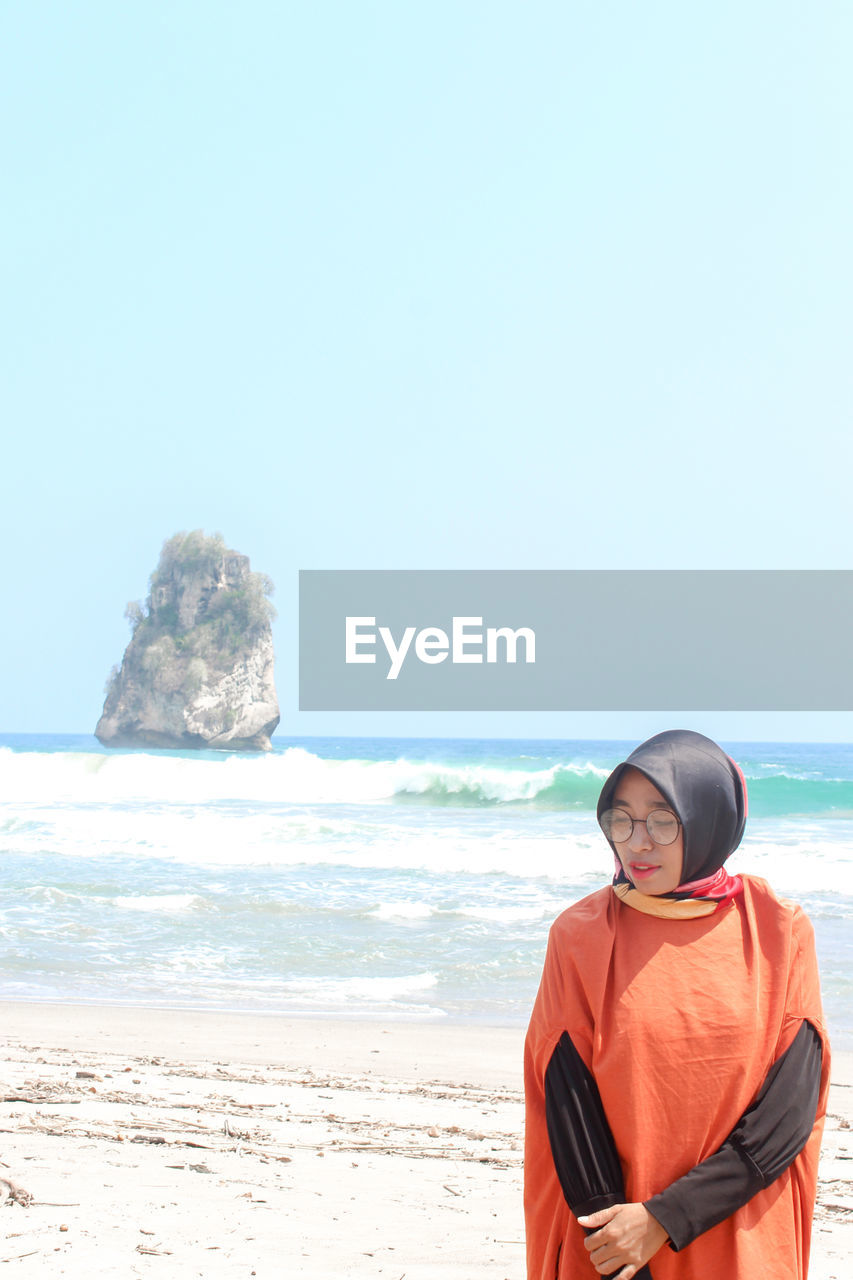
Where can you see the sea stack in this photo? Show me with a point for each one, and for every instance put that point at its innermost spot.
(198, 671)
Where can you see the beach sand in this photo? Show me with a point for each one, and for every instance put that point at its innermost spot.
(172, 1144)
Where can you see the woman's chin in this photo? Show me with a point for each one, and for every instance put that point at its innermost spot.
(654, 886)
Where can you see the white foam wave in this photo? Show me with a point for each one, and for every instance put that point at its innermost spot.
(293, 776)
(796, 865)
(775, 770)
(510, 915)
(372, 990)
(402, 911)
(48, 893)
(168, 902)
(791, 856)
(199, 959)
(505, 914)
(218, 836)
(487, 783)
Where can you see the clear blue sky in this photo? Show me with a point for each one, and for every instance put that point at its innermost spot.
(388, 285)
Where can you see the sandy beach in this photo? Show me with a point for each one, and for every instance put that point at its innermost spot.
(174, 1144)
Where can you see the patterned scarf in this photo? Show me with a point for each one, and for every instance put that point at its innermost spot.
(696, 898)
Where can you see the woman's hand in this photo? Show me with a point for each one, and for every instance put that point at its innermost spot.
(625, 1236)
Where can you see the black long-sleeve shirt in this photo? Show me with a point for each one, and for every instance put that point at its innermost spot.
(766, 1140)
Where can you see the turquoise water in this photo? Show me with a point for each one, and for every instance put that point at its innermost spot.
(374, 877)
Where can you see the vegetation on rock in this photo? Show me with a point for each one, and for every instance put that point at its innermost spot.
(229, 616)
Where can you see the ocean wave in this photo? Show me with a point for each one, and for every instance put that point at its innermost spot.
(297, 776)
(172, 903)
(403, 911)
(796, 864)
(293, 776)
(786, 794)
(566, 848)
(371, 988)
(211, 838)
(562, 786)
(46, 894)
(388, 994)
(509, 914)
(499, 914)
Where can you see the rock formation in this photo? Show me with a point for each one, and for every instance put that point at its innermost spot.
(198, 671)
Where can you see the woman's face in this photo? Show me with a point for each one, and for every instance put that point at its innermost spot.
(651, 868)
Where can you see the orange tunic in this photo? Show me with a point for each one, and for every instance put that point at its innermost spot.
(679, 1022)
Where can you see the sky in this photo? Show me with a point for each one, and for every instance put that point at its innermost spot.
(463, 285)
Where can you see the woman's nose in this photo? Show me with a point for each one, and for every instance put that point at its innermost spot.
(640, 838)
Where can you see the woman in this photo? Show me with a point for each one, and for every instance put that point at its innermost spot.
(676, 1064)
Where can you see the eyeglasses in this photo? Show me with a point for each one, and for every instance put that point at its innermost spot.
(661, 825)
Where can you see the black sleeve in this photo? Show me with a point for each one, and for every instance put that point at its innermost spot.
(582, 1145)
(768, 1137)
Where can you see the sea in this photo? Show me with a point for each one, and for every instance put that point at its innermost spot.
(383, 878)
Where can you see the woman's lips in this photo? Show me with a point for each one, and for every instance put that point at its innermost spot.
(640, 870)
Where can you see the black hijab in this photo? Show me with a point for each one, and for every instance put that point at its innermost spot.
(703, 786)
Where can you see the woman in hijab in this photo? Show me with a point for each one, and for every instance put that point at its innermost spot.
(676, 1064)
